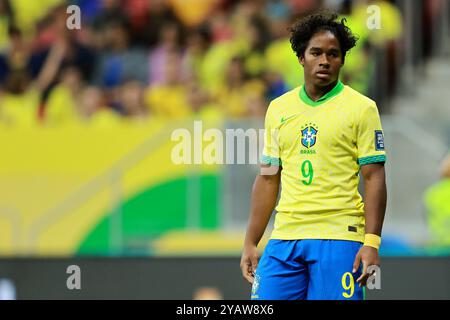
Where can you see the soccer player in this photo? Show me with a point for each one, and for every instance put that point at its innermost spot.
(319, 138)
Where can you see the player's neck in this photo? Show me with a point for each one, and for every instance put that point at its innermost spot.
(317, 92)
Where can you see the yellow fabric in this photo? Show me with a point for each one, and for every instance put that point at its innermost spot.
(4, 37)
(168, 101)
(329, 207)
(27, 13)
(390, 22)
(281, 59)
(19, 110)
(372, 240)
(357, 24)
(359, 64)
(438, 209)
(255, 64)
(215, 63)
(358, 71)
(105, 118)
(210, 112)
(234, 101)
(61, 107)
(192, 12)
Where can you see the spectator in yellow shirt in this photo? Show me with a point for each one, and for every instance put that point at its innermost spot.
(438, 206)
(61, 105)
(168, 99)
(241, 96)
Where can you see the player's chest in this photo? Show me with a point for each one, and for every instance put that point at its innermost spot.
(311, 129)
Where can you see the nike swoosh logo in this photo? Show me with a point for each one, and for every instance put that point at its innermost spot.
(283, 119)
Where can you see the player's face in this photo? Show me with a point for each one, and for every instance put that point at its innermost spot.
(322, 60)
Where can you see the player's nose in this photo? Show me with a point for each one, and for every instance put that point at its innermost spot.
(323, 62)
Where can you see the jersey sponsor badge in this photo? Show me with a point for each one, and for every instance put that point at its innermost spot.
(379, 140)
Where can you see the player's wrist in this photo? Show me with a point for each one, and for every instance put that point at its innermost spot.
(372, 240)
(250, 243)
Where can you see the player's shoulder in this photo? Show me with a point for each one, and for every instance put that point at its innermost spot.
(357, 99)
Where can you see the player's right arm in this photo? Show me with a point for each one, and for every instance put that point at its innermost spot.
(263, 201)
(264, 194)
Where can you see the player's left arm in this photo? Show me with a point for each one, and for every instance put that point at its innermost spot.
(375, 206)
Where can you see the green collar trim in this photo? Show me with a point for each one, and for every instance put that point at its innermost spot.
(330, 94)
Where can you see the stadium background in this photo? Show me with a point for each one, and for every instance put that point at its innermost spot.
(86, 118)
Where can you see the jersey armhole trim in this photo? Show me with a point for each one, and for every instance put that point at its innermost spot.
(270, 161)
(371, 159)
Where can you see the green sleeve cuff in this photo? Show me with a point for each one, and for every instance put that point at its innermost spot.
(271, 161)
(371, 159)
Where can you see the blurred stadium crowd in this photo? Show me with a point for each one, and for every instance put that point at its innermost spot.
(135, 59)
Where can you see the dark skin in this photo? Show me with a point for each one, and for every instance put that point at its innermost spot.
(375, 199)
(322, 62)
(263, 201)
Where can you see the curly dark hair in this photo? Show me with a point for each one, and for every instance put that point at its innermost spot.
(304, 29)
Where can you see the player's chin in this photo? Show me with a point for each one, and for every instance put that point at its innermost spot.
(323, 81)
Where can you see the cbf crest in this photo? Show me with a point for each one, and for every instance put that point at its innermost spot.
(309, 135)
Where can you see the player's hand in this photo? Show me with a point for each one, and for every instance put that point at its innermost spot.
(368, 256)
(249, 262)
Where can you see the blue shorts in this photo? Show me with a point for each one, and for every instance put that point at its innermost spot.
(308, 269)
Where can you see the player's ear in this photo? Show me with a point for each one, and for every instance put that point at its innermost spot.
(301, 59)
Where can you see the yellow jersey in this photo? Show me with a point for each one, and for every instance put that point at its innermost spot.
(20, 110)
(320, 146)
(168, 101)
